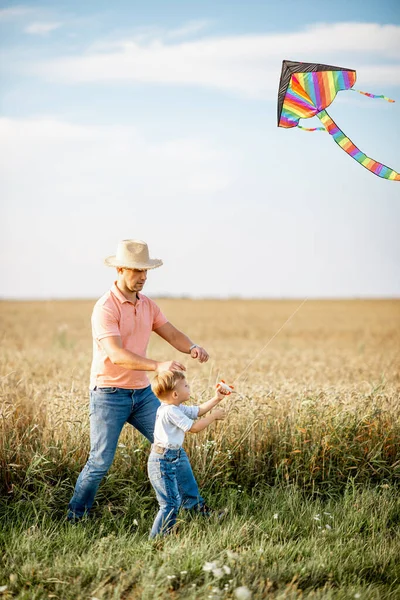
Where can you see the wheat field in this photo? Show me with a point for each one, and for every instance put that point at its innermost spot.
(315, 421)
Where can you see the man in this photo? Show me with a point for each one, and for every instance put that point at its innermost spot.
(122, 321)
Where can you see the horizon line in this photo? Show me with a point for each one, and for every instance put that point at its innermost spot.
(208, 298)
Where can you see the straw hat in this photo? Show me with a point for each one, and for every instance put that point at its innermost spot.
(133, 254)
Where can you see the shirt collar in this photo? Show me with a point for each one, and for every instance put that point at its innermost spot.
(117, 292)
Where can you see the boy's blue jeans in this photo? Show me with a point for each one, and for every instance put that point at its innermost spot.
(173, 481)
(110, 409)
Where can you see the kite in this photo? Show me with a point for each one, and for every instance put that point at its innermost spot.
(306, 90)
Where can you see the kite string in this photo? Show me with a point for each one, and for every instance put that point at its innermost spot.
(270, 340)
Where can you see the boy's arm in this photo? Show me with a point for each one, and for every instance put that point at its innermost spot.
(209, 405)
(203, 423)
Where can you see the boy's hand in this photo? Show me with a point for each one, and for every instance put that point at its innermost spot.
(221, 394)
(219, 414)
(223, 390)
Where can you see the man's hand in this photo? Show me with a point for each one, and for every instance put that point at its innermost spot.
(171, 365)
(200, 353)
(219, 414)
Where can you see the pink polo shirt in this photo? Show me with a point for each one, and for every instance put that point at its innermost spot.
(114, 315)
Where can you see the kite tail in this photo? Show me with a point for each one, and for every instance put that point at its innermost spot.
(372, 95)
(347, 145)
(311, 129)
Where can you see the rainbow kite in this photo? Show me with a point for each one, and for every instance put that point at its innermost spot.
(306, 90)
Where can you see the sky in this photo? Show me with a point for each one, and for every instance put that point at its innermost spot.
(157, 121)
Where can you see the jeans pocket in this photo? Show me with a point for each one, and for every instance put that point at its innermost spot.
(171, 456)
(106, 390)
(154, 470)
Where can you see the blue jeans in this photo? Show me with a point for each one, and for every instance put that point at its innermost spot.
(110, 409)
(173, 481)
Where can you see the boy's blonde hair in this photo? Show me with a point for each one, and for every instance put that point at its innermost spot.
(165, 382)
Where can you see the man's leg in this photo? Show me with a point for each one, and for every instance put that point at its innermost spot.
(109, 410)
(143, 416)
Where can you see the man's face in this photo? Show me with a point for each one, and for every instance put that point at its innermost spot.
(134, 279)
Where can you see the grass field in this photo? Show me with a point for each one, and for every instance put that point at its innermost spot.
(308, 461)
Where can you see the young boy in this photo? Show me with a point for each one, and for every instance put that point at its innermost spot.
(168, 466)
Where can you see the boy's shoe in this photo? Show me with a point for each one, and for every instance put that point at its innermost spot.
(208, 512)
(73, 519)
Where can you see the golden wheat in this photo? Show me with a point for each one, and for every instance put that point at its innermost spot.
(319, 404)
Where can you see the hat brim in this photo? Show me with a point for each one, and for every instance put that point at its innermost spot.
(111, 261)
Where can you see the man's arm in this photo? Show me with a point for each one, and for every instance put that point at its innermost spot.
(180, 341)
(118, 355)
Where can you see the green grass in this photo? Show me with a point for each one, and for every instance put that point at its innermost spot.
(277, 541)
(314, 429)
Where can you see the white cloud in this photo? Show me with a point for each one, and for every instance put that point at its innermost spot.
(190, 28)
(42, 28)
(14, 12)
(67, 189)
(70, 192)
(247, 65)
(65, 160)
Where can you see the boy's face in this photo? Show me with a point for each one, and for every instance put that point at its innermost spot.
(182, 390)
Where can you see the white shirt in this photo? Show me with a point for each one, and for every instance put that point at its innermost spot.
(172, 422)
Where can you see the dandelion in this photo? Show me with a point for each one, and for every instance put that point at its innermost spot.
(316, 518)
(242, 593)
(171, 576)
(227, 570)
(276, 515)
(3, 588)
(183, 572)
(357, 595)
(209, 566)
(328, 526)
(218, 573)
(232, 555)
(135, 522)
